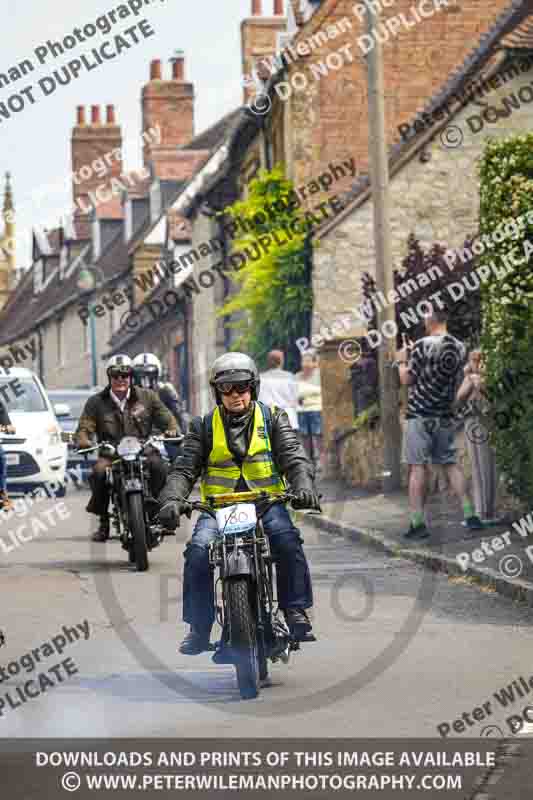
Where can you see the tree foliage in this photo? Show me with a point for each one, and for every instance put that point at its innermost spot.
(275, 295)
(423, 273)
(506, 190)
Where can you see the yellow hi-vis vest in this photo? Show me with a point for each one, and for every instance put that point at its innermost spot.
(258, 469)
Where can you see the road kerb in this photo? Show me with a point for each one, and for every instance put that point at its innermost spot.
(514, 588)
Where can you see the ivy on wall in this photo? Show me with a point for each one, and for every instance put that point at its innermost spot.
(275, 295)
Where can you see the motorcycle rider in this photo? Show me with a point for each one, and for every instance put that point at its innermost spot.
(121, 410)
(241, 445)
(147, 373)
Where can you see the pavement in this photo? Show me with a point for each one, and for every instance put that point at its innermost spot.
(499, 557)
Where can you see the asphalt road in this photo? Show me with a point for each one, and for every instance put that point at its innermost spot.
(399, 652)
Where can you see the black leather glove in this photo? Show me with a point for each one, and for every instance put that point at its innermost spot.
(306, 498)
(169, 514)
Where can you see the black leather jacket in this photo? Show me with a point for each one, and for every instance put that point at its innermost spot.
(288, 454)
(169, 396)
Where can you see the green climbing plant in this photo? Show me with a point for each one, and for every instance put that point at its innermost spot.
(506, 193)
(275, 295)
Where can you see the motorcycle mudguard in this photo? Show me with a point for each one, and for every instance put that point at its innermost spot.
(133, 485)
(238, 564)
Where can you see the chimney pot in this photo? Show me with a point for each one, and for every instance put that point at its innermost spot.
(178, 69)
(155, 70)
(95, 115)
(257, 11)
(81, 115)
(110, 115)
(278, 8)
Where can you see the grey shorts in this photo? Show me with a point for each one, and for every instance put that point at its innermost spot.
(429, 440)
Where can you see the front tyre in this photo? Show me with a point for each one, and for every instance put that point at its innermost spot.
(137, 527)
(243, 637)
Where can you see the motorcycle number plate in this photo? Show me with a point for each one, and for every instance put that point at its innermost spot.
(237, 518)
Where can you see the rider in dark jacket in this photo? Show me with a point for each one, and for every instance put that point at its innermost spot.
(147, 373)
(240, 446)
(121, 410)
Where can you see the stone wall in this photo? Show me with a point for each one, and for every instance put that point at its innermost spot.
(361, 465)
(435, 197)
(205, 343)
(337, 405)
(329, 118)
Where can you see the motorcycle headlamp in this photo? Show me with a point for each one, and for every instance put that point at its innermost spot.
(129, 447)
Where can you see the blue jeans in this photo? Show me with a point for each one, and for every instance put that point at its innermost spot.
(310, 423)
(3, 469)
(292, 571)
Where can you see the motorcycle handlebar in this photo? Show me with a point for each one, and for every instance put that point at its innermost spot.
(197, 505)
(148, 441)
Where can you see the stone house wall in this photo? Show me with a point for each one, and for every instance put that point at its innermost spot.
(436, 198)
(328, 120)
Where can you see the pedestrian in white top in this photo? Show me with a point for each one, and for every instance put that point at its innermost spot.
(279, 387)
(310, 409)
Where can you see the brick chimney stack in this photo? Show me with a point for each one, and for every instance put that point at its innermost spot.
(167, 103)
(259, 40)
(91, 142)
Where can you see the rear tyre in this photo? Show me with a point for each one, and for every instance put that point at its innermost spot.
(243, 637)
(262, 662)
(138, 531)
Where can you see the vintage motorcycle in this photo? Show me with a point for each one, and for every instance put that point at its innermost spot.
(134, 510)
(253, 627)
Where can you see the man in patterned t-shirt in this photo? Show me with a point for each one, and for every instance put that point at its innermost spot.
(433, 373)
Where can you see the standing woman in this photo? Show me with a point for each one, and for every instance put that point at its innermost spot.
(310, 409)
(484, 478)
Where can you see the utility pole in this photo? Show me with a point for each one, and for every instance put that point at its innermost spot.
(379, 172)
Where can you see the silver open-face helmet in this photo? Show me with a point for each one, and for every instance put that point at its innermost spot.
(121, 363)
(234, 368)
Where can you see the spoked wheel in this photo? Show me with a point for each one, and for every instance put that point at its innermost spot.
(138, 554)
(243, 637)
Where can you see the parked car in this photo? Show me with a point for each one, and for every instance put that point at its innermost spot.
(35, 453)
(68, 405)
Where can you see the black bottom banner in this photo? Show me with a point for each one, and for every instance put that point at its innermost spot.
(475, 769)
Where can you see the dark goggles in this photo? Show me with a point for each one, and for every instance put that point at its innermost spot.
(240, 387)
(120, 372)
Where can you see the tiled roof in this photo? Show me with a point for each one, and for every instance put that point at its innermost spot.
(24, 309)
(213, 136)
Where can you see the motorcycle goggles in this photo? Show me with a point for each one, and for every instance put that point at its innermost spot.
(120, 372)
(241, 387)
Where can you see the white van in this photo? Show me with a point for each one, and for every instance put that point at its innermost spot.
(35, 453)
